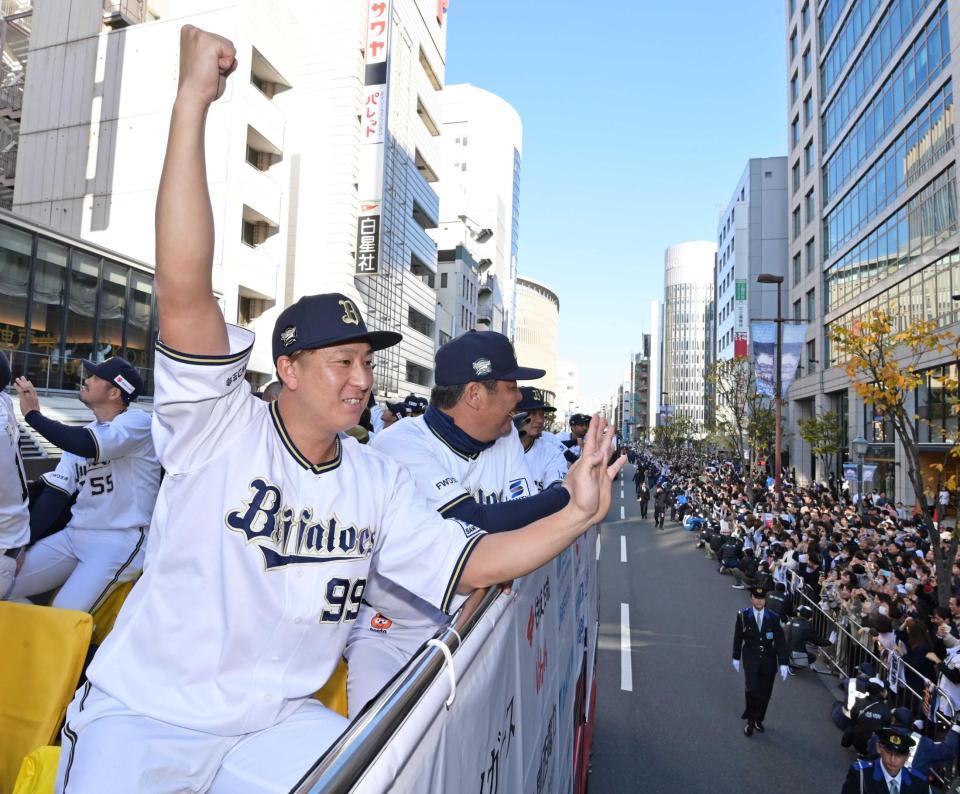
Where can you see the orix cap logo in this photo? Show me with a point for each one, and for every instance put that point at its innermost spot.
(350, 314)
(289, 335)
(482, 366)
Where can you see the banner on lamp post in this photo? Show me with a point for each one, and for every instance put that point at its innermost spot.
(764, 337)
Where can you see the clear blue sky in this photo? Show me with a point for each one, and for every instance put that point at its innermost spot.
(638, 119)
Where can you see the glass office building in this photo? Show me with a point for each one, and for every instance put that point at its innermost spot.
(873, 215)
(63, 300)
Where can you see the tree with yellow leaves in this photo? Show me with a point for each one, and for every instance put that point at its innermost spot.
(884, 364)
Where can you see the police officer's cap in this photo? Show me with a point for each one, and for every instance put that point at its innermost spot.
(867, 669)
(895, 741)
(758, 592)
(805, 611)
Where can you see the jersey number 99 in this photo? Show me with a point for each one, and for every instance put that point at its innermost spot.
(343, 600)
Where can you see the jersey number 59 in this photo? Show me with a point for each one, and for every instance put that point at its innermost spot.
(343, 600)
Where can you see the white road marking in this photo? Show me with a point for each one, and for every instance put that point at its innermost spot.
(621, 493)
(598, 546)
(623, 548)
(623, 514)
(626, 666)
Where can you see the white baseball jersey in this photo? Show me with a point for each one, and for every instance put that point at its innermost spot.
(546, 462)
(117, 488)
(14, 498)
(445, 477)
(258, 559)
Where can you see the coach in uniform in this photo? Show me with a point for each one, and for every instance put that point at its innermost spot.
(572, 439)
(467, 462)
(544, 456)
(268, 524)
(758, 639)
(112, 467)
(888, 774)
(14, 497)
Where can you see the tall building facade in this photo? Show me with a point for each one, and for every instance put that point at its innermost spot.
(656, 402)
(97, 100)
(640, 389)
(751, 239)
(872, 204)
(688, 294)
(16, 25)
(480, 194)
(538, 321)
(568, 390)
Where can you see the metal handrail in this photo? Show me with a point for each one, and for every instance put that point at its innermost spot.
(342, 766)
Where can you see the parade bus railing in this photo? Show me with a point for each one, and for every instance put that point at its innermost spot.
(932, 705)
(505, 700)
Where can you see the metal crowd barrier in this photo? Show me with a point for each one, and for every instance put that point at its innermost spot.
(341, 767)
(932, 705)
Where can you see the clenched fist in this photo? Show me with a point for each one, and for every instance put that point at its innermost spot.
(206, 61)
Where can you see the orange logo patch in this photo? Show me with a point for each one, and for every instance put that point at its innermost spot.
(380, 622)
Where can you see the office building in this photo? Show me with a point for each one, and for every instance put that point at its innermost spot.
(751, 239)
(688, 293)
(872, 206)
(482, 143)
(538, 321)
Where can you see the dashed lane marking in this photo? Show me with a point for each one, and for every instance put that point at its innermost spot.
(626, 665)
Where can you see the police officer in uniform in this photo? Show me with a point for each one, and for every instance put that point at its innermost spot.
(888, 774)
(758, 639)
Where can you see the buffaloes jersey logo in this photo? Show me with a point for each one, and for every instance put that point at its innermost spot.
(350, 314)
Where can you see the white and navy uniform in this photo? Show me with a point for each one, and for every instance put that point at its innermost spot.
(104, 542)
(393, 622)
(14, 497)
(256, 567)
(546, 462)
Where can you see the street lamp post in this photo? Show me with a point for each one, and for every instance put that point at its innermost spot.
(770, 278)
(859, 446)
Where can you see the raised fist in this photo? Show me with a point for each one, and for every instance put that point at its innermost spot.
(206, 60)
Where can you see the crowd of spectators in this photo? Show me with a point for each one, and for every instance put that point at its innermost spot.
(871, 572)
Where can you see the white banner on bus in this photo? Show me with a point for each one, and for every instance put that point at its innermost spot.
(513, 724)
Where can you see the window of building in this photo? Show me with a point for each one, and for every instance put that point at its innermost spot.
(809, 205)
(795, 176)
(419, 375)
(796, 310)
(811, 305)
(443, 281)
(795, 131)
(419, 322)
(808, 157)
(805, 17)
(267, 80)
(794, 88)
(248, 309)
(810, 252)
(796, 268)
(807, 110)
(807, 63)
(811, 356)
(793, 44)
(796, 223)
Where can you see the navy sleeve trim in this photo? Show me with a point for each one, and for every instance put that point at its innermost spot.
(453, 502)
(197, 358)
(457, 574)
(512, 514)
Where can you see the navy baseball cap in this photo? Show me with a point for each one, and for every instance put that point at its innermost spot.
(579, 419)
(121, 373)
(414, 404)
(479, 355)
(533, 399)
(324, 320)
(398, 409)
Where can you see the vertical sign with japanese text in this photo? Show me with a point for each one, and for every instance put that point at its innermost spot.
(740, 323)
(373, 124)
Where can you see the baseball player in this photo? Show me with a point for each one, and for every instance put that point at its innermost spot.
(14, 498)
(572, 439)
(111, 466)
(544, 456)
(468, 463)
(268, 525)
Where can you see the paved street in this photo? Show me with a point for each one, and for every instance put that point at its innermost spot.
(678, 730)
